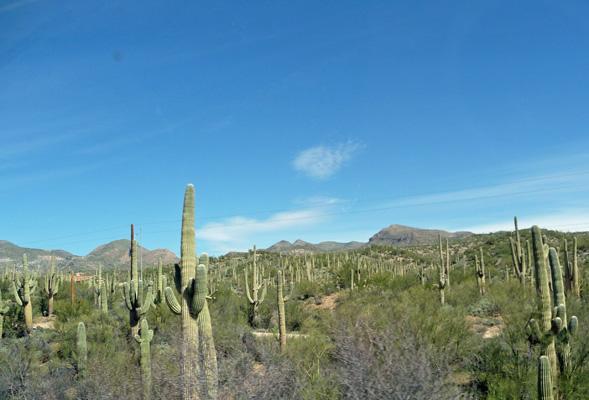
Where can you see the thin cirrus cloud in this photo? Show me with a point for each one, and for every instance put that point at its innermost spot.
(322, 162)
(239, 233)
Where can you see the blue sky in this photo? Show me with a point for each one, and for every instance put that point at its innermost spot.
(311, 120)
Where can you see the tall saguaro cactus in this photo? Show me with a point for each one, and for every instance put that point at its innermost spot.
(72, 288)
(518, 255)
(197, 346)
(51, 284)
(81, 350)
(281, 313)
(256, 286)
(543, 294)
(23, 291)
(136, 301)
(480, 272)
(144, 339)
(575, 283)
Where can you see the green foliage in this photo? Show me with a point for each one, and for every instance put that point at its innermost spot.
(390, 338)
(483, 308)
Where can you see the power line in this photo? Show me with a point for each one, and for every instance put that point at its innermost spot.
(319, 206)
(220, 225)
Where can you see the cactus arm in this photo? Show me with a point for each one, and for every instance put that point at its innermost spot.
(148, 301)
(263, 296)
(172, 302)
(32, 287)
(137, 338)
(514, 257)
(247, 289)
(127, 296)
(199, 290)
(204, 260)
(46, 286)
(178, 278)
(16, 295)
(573, 325)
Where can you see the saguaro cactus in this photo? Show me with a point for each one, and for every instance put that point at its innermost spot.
(543, 294)
(560, 328)
(197, 346)
(544, 380)
(3, 310)
(72, 288)
(518, 255)
(136, 301)
(441, 282)
(162, 282)
(253, 297)
(575, 283)
(23, 291)
(51, 284)
(144, 339)
(571, 269)
(99, 287)
(480, 272)
(82, 350)
(281, 313)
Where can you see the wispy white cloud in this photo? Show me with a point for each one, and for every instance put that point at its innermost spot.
(538, 187)
(15, 5)
(321, 162)
(29, 145)
(240, 233)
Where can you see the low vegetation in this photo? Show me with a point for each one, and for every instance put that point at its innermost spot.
(482, 317)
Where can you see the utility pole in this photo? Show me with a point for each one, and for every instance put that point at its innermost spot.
(140, 254)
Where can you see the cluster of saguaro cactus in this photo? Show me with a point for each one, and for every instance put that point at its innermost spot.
(253, 298)
(137, 300)
(518, 255)
(81, 351)
(52, 282)
(3, 310)
(144, 338)
(571, 270)
(552, 331)
(199, 359)
(23, 292)
(480, 272)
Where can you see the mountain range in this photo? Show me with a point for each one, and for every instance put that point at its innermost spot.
(394, 235)
(116, 253)
(112, 254)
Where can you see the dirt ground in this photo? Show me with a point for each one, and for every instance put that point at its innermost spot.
(43, 322)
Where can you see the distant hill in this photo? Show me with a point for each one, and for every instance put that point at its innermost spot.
(400, 235)
(394, 235)
(301, 246)
(112, 254)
